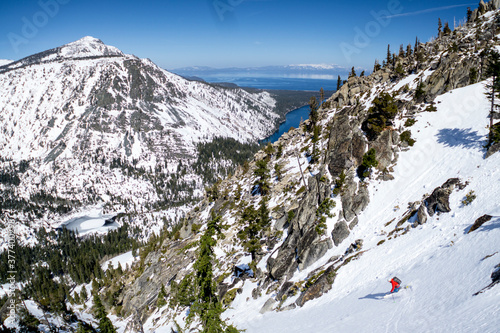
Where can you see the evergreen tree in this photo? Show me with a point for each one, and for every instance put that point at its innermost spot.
(376, 66)
(409, 51)
(401, 51)
(417, 44)
(105, 325)
(262, 173)
(440, 27)
(353, 73)
(446, 30)
(161, 301)
(369, 161)
(313, 113)
(388, 59)
(339, 83)
(315, 138)
(380, 116)
(207, 306)
(493, 90)
(362, 74)
(469, 15)
(321, 95)
(256, 224)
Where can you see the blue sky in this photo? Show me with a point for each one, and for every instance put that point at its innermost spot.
(227, 33)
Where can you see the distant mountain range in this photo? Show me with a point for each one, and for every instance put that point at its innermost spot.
(300, 69)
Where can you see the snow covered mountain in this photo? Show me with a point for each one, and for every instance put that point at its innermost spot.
(401, 179)
(391, 178)
(96, 126)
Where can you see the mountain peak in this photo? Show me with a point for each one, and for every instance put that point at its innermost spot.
(88, 46)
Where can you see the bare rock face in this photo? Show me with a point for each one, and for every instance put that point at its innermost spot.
(304, 245)
(354, 199)
(383, 146)
(319, 287)
(340, 232)
(134, 325)
(141, 295)
(345, 146)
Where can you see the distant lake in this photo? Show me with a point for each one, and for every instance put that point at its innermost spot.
(281, 82)
(293, 119)
(292, 82)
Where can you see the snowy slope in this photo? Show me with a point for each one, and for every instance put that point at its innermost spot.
(443, 264)
(4, 62)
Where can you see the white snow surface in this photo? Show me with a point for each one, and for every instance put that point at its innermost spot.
(123, 260)
(443, 264)
(4, 62)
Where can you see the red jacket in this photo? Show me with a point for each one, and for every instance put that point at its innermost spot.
(394, 285)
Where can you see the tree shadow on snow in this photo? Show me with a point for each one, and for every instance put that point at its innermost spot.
(374, 296)
(460, 137)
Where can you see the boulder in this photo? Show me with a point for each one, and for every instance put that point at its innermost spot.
(493, 149)
(288, 307)
(421, 214)
(438, 201)
(340, 232)
(479, 222)
(268, 306)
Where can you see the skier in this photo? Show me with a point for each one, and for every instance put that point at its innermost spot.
(396, 284)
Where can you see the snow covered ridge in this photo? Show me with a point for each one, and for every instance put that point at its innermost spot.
(4, 62)
(86, 47)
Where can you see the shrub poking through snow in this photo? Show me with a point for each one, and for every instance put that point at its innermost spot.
(469, 197)
(406, 136)
(369, 161)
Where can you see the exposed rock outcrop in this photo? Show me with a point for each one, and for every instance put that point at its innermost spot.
(438, 201)
(479, 222)
(319, 287)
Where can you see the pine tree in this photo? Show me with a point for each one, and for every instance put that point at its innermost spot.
(446, 30)
(493, 90)
(409, 51)
(262, 173)
(388, 59)
(321, 95)
(256, 224)
(313, 114)
(339, 83)
(376, 66)
(105, 325)
(315, 138)
(440, 27)
(401, 51)
(161, 301)
(469, 15)
(352, 73)
(207, 306)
